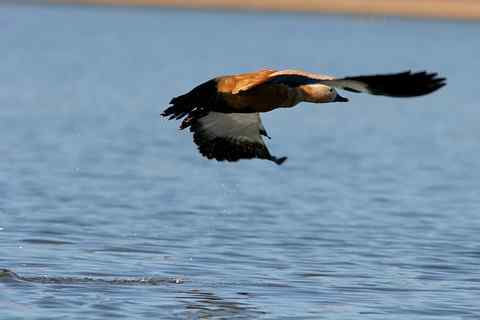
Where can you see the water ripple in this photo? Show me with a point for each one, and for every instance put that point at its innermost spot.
(7, 275)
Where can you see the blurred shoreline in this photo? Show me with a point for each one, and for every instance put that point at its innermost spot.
(443, 9)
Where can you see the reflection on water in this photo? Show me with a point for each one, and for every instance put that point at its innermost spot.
(198, 304)
(206, 305)
(104, 206)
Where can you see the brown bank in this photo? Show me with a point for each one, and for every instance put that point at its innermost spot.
(447, 9)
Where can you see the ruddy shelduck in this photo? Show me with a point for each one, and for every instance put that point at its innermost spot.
(224, 112)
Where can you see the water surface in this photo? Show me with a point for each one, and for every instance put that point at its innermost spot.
(374, 216)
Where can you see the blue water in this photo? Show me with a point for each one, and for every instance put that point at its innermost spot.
(107, 211)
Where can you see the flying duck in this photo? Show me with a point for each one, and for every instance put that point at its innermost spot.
(224, 112)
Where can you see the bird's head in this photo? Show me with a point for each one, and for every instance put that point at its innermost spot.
(319, 93)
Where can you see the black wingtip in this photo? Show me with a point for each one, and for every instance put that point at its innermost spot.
(168, 111)
(422, 83)
(279, 161)
(402, 84)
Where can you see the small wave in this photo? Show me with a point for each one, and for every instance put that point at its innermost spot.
(7, 275)
(46, 241)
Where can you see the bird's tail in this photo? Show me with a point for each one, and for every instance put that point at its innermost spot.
(194, 104)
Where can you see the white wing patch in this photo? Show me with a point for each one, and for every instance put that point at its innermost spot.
(231, 137)
(349, 85)
(238, 126)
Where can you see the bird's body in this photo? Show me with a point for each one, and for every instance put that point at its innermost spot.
(223, 113)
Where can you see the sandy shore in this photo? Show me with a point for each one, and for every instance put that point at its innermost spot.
(448, 9)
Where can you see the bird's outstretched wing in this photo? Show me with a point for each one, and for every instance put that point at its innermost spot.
(403, 84)
(231, 137)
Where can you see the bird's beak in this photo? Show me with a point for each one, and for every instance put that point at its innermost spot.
(339, 98)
